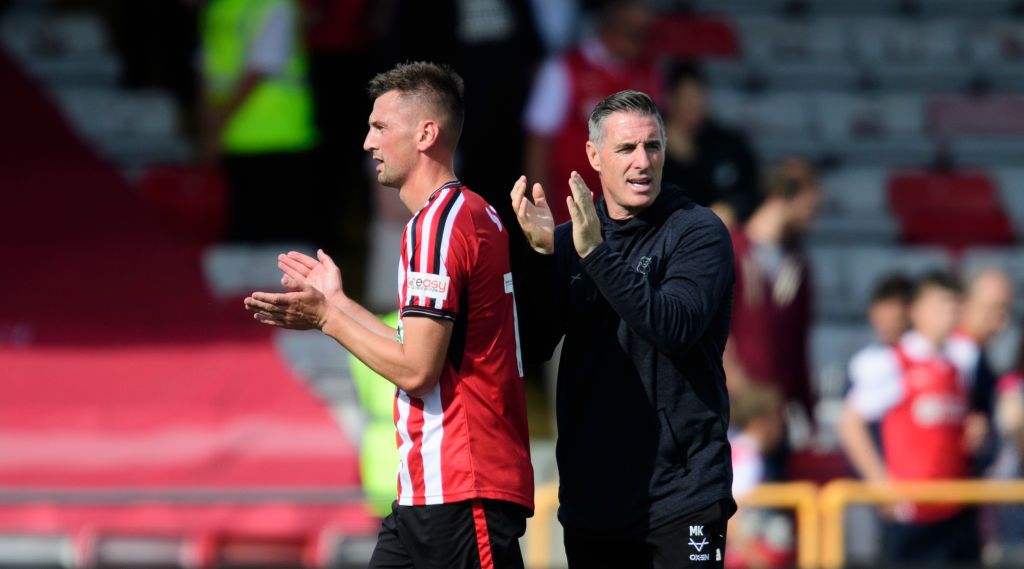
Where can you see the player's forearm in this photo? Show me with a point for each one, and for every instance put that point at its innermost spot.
(385, 356)
(860, 449)
(364, 317)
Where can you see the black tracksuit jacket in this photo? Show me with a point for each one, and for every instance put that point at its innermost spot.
(642, 408)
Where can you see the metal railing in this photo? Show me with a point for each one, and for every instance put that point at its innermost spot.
(835, 496)
(819, 511)
(801, 497)
(538, 528)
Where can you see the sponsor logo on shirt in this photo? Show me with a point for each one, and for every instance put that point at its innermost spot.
(939, 409)
(427, 285)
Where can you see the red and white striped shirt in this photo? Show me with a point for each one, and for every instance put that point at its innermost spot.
(468, 438)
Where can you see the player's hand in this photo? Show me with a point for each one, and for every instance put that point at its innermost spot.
(322, 274)
(302, 309)
(586, 226)
(534, 217)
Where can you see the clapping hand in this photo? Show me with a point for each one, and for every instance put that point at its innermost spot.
(534, 217)
(586, 225)
(304, 308)
(320, 273)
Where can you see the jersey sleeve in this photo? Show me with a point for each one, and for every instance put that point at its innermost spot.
(876, 382)
(440, 253)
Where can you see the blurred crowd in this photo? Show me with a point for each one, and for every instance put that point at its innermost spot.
(277, 89)
(279, 99)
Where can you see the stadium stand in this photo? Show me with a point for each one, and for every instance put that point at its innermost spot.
(912, 107)
(142, 415)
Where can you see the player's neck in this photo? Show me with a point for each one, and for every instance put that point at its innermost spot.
(935, 339)
(423, 181)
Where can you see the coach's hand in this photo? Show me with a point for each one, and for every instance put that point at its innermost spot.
(534, 217)
(303, 309)
(586, 226)
(322, 274)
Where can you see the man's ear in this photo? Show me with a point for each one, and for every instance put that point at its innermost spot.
(428, 132)
(593, 156)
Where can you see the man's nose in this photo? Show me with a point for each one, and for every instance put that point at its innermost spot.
(641, 160)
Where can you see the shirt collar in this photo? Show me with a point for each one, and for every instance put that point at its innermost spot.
(918, 348)
(437, 191)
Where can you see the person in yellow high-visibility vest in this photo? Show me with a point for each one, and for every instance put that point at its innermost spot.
(378, 455)
(258, 111)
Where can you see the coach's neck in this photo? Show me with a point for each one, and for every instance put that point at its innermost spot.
(432, 170)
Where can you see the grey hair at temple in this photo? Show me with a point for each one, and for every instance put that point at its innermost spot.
(624, 101)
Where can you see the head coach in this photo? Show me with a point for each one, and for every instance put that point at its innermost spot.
(640, 286)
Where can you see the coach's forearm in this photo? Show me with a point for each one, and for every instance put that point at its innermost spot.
(674, 313)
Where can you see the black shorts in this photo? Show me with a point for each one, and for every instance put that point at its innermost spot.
(953, 541)
(696, 540)
(475, 534)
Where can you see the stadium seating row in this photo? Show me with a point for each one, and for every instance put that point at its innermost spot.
(839, 116)
(879, 40)
(845, 275)
(945, 8)
(859, 205)
(891, 129)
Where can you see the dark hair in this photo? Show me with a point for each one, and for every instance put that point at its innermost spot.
(787, 177)
(893, 287)
(687, 70)
(436, 84)
(609, 10)
(624, 101)
(937, 279)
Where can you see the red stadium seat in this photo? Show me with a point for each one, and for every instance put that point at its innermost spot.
(952, 209)
(689, 37)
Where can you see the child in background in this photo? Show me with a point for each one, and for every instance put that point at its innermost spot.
(919, 391)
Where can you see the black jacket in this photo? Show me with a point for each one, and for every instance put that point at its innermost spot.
(642, 406)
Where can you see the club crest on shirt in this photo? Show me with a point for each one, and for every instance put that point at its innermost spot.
(644, 265)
